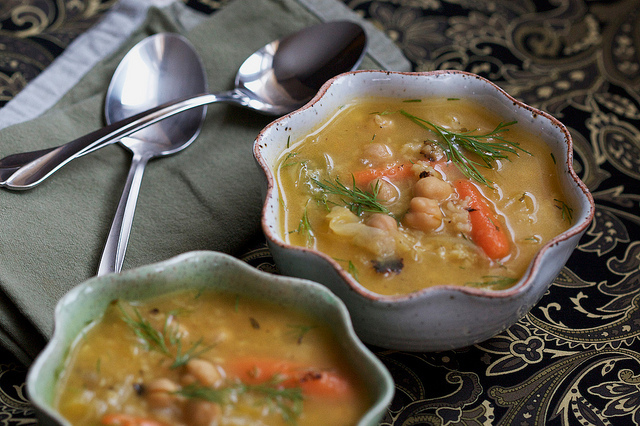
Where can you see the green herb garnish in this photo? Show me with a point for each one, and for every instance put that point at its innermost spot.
(497, 282)
(166, 341)
(353, 271)
(152, 338)
(356, 200)
(534, 239)
(298, 331)
(182, 358)
(304, 226)
(567, 212)
(351, 268)
(288, 401)
(289, 160)
(217, 395)
(488, 147)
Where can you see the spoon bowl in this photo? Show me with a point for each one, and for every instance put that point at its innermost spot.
(150, 74)
(285, 74)
(277, 79)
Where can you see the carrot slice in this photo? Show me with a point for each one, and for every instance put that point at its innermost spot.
(253, 370)
(486, 230)
(312, 381)
(122, 419)
(364, 177)
(323, 383)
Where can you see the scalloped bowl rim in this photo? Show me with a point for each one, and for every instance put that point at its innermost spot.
(536, 263)
(199, 261)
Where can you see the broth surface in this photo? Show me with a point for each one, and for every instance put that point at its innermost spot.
(227, 360)
(378, 189)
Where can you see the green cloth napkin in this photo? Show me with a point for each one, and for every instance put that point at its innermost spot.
(208, 197)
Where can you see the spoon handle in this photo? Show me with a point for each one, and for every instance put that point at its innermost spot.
(36, 166)
(118, 239)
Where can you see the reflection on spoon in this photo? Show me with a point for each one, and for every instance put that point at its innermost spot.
(277, 79)
(134, 89)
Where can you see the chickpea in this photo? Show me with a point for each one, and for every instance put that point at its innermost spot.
(432, 187)
(424, 214)
(422, 221)
(425, 205)
(383, 122)
(187, 379)
(159, 393)
(382, 221)
(160, 399)
(387, 192)
(161, 384)
(377, 152)
(201, 413)
(204, 371)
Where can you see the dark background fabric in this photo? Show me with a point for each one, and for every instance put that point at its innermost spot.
(575, 358)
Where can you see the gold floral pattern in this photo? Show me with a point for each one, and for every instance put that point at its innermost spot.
(34, 32)
(575, 358)
(14, 405)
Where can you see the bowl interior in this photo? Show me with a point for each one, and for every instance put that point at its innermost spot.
(455, 84)
(198, 270)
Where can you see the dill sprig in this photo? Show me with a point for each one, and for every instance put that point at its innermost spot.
(298, 331)
(534, 239)
(304, 228)
(287, 401)
(351, 267)
(567, 212)
(356, 200)
(497, 282)
(162, 340)
(290, 160)
(353, 271)
(142, 328)
(182, 358)
(488, 147)
(217, 395)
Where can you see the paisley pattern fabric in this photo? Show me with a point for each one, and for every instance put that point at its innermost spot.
(575, 358)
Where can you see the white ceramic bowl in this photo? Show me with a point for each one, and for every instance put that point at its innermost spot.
(199, 270)
(440, 317)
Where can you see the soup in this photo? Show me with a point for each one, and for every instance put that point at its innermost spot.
(411, 194)
(208, 358)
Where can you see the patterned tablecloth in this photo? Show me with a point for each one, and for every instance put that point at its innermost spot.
(575, 358)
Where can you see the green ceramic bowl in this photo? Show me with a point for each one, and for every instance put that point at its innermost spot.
(198, 270)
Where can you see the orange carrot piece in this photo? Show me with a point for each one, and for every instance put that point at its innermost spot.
(323, 383)
(364, 177)
(252, 370)
(312, 381)
(121, 419)
(486, 230)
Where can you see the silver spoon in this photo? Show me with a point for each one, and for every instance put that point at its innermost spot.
(150, 74)
(277, 79)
